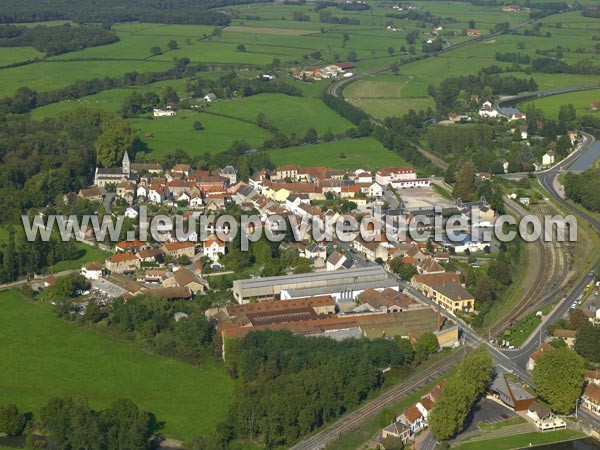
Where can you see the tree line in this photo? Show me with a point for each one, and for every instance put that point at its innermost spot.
(55, 40)
(112, 11)
(26, 99)
(344, 108)
(145, 320)
(450, 412)
(68, 424)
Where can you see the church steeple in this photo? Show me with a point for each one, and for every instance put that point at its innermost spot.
(125, 164)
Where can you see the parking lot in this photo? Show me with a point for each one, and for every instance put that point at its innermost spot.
(424, 197)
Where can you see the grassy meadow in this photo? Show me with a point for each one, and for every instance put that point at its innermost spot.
(382, 96)
(45, 357)
(550, 106)
(87, 254)
(288, 114)
(364, 153)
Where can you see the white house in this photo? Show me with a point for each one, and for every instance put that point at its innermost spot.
(142, 191)
(487, 110)
(132, 212)
(184, 197)
(210, 97)
(163, 112)
(413, 418)
(213, 248)
(360, 176)
(517, 116)
(375, 190)
(548, 159)
(92, 271)
(157, 194)
(196, 201)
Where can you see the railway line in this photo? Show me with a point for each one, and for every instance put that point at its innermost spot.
(352, 420)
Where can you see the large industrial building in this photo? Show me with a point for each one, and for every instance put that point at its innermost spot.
(342, 285)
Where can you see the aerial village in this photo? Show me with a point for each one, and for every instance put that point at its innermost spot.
(349, 291)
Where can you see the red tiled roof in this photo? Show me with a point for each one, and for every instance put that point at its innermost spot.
(121, 257)
(412, 413)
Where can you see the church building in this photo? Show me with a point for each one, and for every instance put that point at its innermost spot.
(114, 175)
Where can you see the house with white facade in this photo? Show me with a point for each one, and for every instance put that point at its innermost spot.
(213, 248)
(163, 112)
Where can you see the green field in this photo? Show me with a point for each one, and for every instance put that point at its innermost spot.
(44, 357)
(550, 106)
(87, 254)
(11, 55)
(288, 114)
(522, 440)
(364, 153)
(383, 96)
(170, 133)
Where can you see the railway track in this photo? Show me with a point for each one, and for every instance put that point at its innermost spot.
(543, 276)
(352, 420)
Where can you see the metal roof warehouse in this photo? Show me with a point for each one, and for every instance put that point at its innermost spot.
(340, 284)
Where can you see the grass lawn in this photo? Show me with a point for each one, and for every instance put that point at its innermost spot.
(288, 114)
(521, 330)
(522, 440)
(44, 357)
(87, 254)
(499, 425)
(550, 106)
(366, 153)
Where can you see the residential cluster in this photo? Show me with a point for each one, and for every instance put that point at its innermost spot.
(321, 73)
(414, 419)
(358, 289)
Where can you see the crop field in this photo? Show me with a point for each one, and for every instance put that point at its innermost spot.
(45, 357)
(550, 106)
(364, 153)
(288, 114)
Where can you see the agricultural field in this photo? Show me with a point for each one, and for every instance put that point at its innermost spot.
(383, 96)
(550, 106)
(44, 357)
(12, 55)
(288, 114)
(170, 133)
(366, 153)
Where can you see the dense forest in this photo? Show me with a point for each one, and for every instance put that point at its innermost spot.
(291, 385)
(583, 188)
(57, 39)
(110, 11)
(42, 159)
